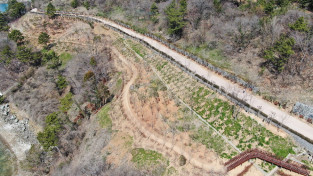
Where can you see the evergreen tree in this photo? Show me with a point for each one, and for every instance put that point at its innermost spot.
(6, 54)
(3, 23)
(217, 5)
(183, 6)
(16, 9)
(16, 36)
(74, 3)
(175, 18)
(86, 4)
(43, 38)
(50, 10)
(279, 54)
(154, 13)
(300, 25)
(24, 54)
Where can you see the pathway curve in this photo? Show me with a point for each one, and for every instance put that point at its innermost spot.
(232, 88)
(153, 136)
(281, 116)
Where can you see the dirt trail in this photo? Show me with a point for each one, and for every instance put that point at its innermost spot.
(215, 167)
(253, 100)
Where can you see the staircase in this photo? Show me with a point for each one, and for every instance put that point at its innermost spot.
(255, 153)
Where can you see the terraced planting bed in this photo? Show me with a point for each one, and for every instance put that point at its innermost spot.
(239, 128)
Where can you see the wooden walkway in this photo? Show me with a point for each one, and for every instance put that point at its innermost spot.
(255, 153)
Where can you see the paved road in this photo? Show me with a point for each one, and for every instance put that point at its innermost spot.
(255, 101)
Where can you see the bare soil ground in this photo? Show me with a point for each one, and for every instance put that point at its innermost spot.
(151, 127)
(142, 111)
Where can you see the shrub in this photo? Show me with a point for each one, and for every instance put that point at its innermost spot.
(86, 4)
(300, 25)
(89, 75)
(7, 54)
(49, 136)
(66, 102)
(278, 55)
(74, 3)
(43, 38)
(2, 99)
(182, 160)
(217, 5)
(24, 54)
(61, 83)
(3, 23)
(154, 13)
(50, 10)
(93, 62)
(16, 36)
(175, 18)
(52, 59)
(16, 9)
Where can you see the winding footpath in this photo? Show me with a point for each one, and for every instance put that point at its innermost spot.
(282, 117)
(215, 167)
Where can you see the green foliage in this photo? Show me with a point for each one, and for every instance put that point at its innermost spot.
(269, 7)
(88, 75)
(86, 4)
(61, 83)
(16, 36)
(36, 60)
(3, 22)
(217, 5)
(154, 13)
(183, 6)
(6, 54)
(104, 117)
(102, 94)
(50, 10)
(2, 99)
(93, 61)
(52, 59)
(49, 136)
(146, 158)
(66, 102)
(282, 3)
(16, 9)
(278, 55)
(280, 147)
(300, 25)
(65, 57)
(306, 4)
(43, 38)
(24, 54)
(74, 3)
(209, 139)
(175, 18)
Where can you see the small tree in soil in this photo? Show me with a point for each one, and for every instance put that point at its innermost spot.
(182, 160)
(43, 38)
(50, 10)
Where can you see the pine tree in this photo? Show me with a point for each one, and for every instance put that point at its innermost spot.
(175, 18)
(183, 6)
(3, 23)
(154, 13)
(16, 9)
(74, 3)
(16, 36)
(50, 10)
(43, 38)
